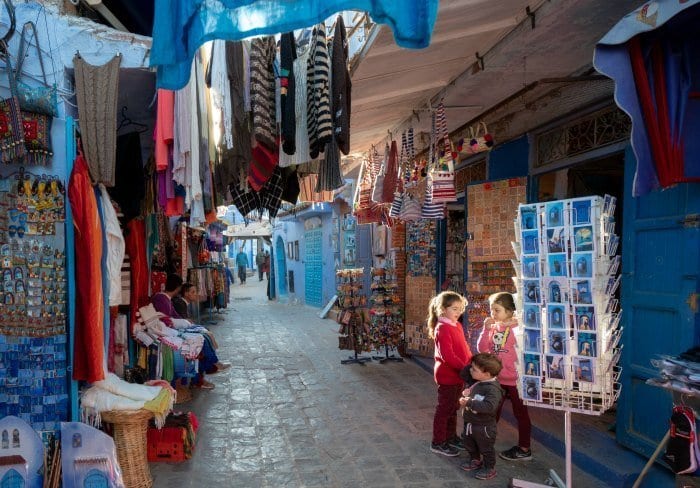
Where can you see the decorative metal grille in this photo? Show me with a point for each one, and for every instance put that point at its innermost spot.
(597, 130)
(469, 174)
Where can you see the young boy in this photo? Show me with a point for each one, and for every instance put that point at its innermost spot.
(480, 402)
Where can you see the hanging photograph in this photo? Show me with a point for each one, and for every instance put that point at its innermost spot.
(531, 364)
(556, 290)
(556, 240)
(556, 341)
(582, 292)
(555, 367)
(531, 316)
(528, 217)
(556, 316)
(554, 212)
(556, 265)
(583, 369)
(587, 344)
(581, 212)
(585, 318)
(531, 266)
(531, 291)
(349, 222)
(582, 265)
(532, 340)
(532, 388)
(583, 238)
(530, 242)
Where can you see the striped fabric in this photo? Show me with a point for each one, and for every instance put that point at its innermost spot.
(442, 177)
(395, 210)
(262, 90)
(432, 209)
(329, 176)
(410, 209)
(319, 121)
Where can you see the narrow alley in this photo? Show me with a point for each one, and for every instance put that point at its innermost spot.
(287, 413)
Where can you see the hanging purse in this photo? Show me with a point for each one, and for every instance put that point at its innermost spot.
(11, 133)
(442, 177)
(480, 139)
(36, 99)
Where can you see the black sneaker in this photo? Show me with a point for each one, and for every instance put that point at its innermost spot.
(472, 465)
(445, 449)
(516, 454)
(457, 443)
(485, 473)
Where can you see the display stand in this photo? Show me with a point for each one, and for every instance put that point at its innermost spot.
(567, 281)
(352, 328)
(386, 317)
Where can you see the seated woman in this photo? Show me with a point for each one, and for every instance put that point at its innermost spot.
(208, 362)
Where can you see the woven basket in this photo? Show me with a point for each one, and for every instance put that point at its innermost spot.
(130, 439)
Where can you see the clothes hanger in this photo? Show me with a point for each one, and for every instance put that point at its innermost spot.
(126, 121)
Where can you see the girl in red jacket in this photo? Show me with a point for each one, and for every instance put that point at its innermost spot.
(451, 355)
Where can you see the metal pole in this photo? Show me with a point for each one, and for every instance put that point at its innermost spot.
(567, 440)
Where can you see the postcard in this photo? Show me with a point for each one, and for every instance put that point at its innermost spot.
(556, 265)
(585, 318)
(554, 212)
(587, 344)
(581, 212)
(528, 217)
(530, 242)
(532, 340)
(556, 316)
(556, 341)
(556, 290)
(582, 292)
(583, 369)
(531, 364)
(582, 265)
(532, 388)
(531, 316)
(531, 266)
(556, 367)
(531, 291)
(583, 238)
(556, 240)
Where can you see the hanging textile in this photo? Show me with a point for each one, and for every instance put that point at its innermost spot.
(181, 26)
(165, 122)
(329, 177)
(96, 90)
(390, 175)
(135, 240)
(342, 86)
(115, 248)
(88, 350)
(288, 54)
(650, 61)
(319, 120)
(262, 91)
(301, 155)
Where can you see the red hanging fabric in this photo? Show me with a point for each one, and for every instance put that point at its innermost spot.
(391, 174)
(88, 351)
(135, 241)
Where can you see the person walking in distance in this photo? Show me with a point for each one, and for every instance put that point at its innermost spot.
(260, 263)
(266, 265)
(242, 264)
(452, 354)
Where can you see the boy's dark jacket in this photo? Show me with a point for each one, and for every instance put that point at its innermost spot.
(482, 411)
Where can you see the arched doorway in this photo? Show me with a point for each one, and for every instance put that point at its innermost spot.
(12, 479)
(281, 267)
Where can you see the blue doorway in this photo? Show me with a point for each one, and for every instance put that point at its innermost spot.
(281, 267)
(313, 267)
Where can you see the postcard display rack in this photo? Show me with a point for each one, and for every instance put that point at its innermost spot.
(567, 277)
(33, 349)
(386, 316)
(354, 332)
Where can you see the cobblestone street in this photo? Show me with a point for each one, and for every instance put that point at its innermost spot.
(287, 413)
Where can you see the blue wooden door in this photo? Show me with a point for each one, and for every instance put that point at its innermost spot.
(12, 479)
(313, 267)
(281, 266)
(661, 243)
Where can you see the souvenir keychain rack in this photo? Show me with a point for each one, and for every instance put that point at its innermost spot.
(350, 298)
(386, 319)
(567, 279)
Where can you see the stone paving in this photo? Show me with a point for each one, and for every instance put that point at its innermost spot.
(287, 413)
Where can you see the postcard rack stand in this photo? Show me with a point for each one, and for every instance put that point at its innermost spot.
(567, 281)
(353, 333)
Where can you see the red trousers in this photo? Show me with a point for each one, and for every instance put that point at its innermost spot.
(445, 420)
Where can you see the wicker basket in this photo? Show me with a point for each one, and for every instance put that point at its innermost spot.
(130, 439)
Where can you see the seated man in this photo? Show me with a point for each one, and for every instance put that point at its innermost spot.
(163, 302)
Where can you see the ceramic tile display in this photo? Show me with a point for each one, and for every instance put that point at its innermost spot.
(567, 279)
(420, 247)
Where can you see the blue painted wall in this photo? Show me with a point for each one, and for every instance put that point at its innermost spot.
(509, 160)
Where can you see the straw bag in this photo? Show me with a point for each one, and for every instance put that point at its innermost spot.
(11, 131)
(40, 99)
(480, 140)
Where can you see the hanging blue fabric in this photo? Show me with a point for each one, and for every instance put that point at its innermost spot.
(180, 27)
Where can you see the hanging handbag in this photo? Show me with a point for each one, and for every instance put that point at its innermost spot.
(442, 177)
(11, 132)
(480, 140)
(378, 189)
(430, 208)
(36, 99)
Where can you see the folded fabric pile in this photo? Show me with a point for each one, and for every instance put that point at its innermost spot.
(152, 327)
(113, 393)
